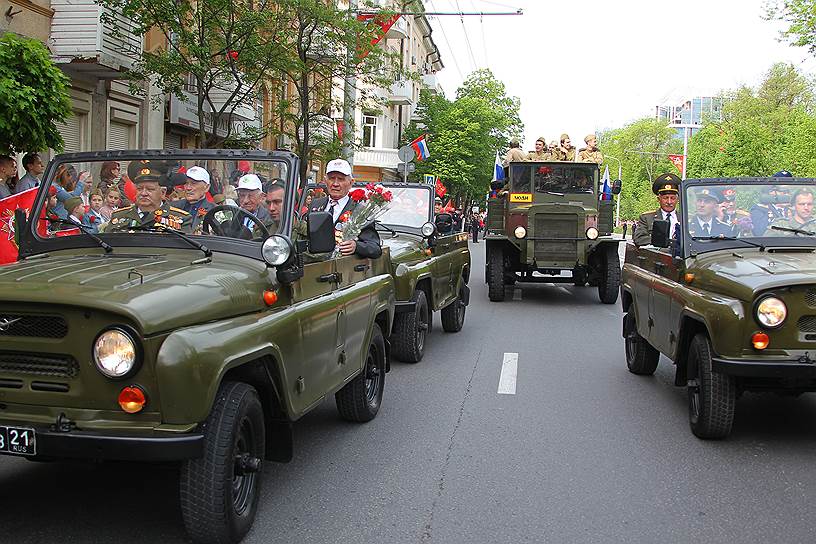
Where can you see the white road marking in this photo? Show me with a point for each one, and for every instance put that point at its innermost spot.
(516, 294)
(507, 380)
(567, 291)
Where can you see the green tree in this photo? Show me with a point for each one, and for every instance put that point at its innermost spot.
(34, 94)
(800, 18)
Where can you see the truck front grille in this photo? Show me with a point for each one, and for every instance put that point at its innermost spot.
(63, 366)
(810, 298)
(555, 226)
(38, 326)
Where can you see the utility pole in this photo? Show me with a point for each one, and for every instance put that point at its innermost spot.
(349, 98)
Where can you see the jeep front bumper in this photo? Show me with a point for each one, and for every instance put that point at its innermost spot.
(764, 368)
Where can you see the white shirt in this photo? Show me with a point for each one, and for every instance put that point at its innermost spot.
(672, 221)
(338, 208)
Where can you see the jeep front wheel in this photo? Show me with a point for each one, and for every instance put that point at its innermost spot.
(453, 315)
(495, 274)
(609, 282)
(360, 399)
(641, 357)
(712, 396)
(411, 330)
(219, 491)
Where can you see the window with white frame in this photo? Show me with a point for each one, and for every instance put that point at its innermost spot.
(369, 130)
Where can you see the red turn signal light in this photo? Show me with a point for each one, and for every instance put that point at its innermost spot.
(689, 277)
(270, 297)
(760, 340)
(132, 399)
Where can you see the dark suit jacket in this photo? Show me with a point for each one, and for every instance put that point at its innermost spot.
(718, 228)
(368, 242)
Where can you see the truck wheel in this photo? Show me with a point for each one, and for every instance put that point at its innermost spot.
(495, 274)
(453, 315)
(712, 396)
(641, 357)
(219, 492)
(411, 330)
(360, 399)
(609, 283)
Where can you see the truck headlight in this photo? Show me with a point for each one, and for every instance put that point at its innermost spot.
(592, 233)
(771, 312)
(520, 232)
(115, 353)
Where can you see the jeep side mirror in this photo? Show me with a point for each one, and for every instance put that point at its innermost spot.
(20, 226)
(660, 233)
(321, 232)
(616, 187)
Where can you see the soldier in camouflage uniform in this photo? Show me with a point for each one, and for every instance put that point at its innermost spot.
(540, 153)
(591, 153)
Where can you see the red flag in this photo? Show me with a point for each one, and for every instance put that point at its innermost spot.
(440, 188)
(677, 161)
(384, 25)
(8, 239)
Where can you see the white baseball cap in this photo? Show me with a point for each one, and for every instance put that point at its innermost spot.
(199, 174)
(250, 182)
(339, 165)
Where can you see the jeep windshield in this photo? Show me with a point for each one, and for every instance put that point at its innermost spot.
(149, 198)
(743, 213)
(563, 179)
(409, 207)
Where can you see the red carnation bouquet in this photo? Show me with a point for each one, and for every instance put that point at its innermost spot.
(371, 203)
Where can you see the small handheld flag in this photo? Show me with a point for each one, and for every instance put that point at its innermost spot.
(421, 148)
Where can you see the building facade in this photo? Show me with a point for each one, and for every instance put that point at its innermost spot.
(693, 112)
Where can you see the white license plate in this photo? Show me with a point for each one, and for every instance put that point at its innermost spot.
(18, 441)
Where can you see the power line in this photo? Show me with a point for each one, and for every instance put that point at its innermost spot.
(484, 39)
(467, 40)
(453, 55)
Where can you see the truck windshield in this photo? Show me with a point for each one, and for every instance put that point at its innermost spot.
(567, 178)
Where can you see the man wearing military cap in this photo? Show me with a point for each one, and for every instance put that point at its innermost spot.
(705, 223)
(149, 209)
(565, 151)
(667, 189)
(540, 153)
(514, 153)
(772, 206)
(591, 153)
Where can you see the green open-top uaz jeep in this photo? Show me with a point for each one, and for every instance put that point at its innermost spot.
(152, 342)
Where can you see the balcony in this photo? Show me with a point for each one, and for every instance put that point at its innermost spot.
(85, 45)
(431, 83)
(402, 93)
(399, 30)
(377, 157)
(222, 92)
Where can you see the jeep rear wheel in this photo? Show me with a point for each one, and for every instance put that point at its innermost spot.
(453, 315)
(360, 399)
(495, 274)
(609, 283)
(712, 396)
(411, 330)
(219, 492)
(641, 357)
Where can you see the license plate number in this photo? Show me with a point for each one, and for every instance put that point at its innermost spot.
(18, 441)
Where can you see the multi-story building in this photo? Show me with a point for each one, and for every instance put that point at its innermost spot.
(690, 112)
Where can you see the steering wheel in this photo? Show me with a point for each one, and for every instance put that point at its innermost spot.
(234, 227)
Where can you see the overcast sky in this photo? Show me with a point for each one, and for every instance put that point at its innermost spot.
(583, 66)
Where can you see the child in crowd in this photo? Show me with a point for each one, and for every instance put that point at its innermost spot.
(112, 202)
(93, 217)
(75, 209)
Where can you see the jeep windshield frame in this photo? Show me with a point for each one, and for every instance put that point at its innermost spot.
(747, 191)
(33, 243)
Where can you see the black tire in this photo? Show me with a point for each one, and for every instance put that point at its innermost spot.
(360, 399)
(453, 315)
(411, 330)
(495, 274)
(609, 282)
(641, 357)
(712, 396)
(219, 491)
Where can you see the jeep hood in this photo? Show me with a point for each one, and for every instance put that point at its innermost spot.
(405, 248)
(158, 292)
(746, 273)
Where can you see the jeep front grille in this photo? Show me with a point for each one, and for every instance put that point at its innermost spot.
(555, 226)
(62, 366)
(807, 323)
(810, 298)
(39, 326)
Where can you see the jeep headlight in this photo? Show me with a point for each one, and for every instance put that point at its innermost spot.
(592, 233)
(114, 353)
(428, 229)
(276, 250)
(520, 232)
(771, 312)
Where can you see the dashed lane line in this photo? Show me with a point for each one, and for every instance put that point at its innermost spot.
(507, 380)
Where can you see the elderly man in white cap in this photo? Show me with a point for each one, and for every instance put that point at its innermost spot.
(251, 198)
(338, 183)
(196, 185)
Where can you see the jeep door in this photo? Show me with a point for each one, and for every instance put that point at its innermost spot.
(662, 296)
(354, 304)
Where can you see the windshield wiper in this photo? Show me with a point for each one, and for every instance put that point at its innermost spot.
(384, 226)
(797, 231)
(162, 228)
(102, 243)
(730, 239)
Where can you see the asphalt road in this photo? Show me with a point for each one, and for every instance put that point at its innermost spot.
(581, 451)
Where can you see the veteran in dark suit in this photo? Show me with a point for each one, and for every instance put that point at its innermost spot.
(195, 203)
(150, 208)
(705, 223)
(667, 189)
(338, 202)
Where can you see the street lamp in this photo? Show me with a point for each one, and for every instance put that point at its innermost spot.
(620, 173)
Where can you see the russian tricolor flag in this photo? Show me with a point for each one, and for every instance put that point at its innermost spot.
(498, 170)
(606, 191)
(421, 148)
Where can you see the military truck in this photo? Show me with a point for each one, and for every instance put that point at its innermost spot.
(734, 308)
(430, 263)
(547, 219)
(147, 343)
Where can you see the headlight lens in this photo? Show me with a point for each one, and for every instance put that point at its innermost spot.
(520, 232)
(428, 229)
(114, 353)
(771, 312)
(592, 233)
(276, 250)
